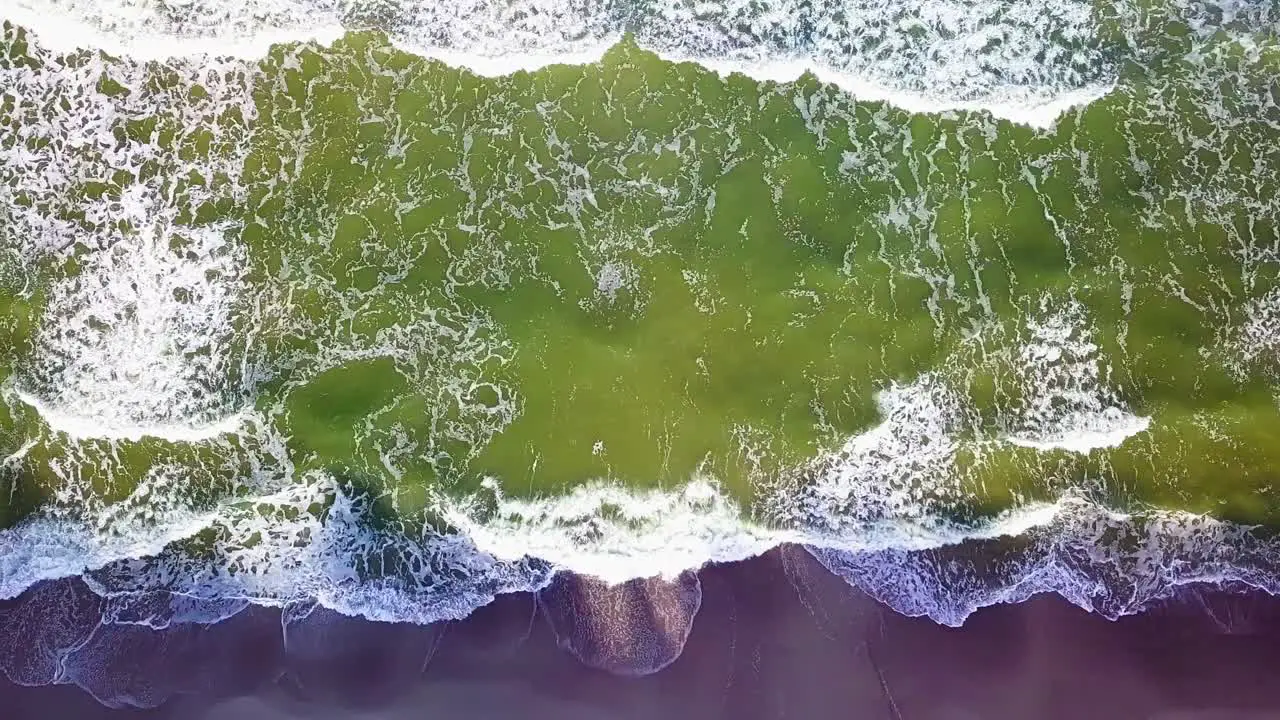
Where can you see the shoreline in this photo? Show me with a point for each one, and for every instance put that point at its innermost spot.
(1100, 560)
(774, 636)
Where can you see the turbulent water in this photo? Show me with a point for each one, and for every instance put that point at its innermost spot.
(396, 305)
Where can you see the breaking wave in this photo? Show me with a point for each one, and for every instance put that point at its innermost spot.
(1026, 61)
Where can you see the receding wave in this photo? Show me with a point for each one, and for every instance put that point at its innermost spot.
(1101, 561)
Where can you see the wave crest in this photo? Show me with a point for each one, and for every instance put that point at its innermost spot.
(1024, 60)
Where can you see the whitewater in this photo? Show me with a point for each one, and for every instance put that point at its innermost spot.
(1028, 62)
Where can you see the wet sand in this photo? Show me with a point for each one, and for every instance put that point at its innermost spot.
(773, 637)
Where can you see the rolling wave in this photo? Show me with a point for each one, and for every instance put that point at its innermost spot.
(1026, 61)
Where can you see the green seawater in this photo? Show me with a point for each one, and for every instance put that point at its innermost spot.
(418, 280)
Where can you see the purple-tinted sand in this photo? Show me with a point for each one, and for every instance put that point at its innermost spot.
(773, 637)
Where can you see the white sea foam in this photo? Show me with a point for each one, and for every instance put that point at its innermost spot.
(1109, 562)
(899, 471)
(137, 342)
(1108, 430)
(137, 339)
(86, 427)
(1067, 403)
(1253, 346)
(143, 30)
(1025, 61)
(48, 549)
(616, 533)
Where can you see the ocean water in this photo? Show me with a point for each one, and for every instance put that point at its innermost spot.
(392, 306)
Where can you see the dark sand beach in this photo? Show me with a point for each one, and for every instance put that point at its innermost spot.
(774, 637)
